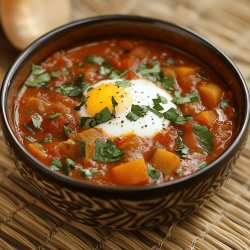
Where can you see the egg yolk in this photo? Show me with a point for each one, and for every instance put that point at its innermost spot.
(100, 98)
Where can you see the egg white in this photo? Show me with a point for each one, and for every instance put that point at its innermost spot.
(141, 92)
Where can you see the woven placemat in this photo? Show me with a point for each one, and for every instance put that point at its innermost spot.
(223, 223)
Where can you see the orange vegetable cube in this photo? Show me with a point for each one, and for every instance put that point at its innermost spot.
(184, 71)
(168, 72)
(206, 117)
(210, 94)
(130, 173)
(37, 150)
(165, 161)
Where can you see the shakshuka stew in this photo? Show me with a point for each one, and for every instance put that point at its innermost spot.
(124, 112)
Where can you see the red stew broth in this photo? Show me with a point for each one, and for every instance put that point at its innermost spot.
(42, 134)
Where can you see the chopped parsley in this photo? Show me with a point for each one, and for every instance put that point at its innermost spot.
(56, 164)
(168, 83)
(100, 117)
(170, 61)
(69, 90)
(47, 139)
(137, 112)
(116, 73)
(94, 59)
(175, 116)
(190, 97)
(205, 137)
(153, 173)
(202, 165)
(107, 152)
(124, 83)
(55, 74)
(39, 80)
(88, 172)
(37, 69)
(82, 102)
(37, 121)
(157, 102)
(224, 103)
(55, 115)
(182, 149)
(67, 130)
(29, 138)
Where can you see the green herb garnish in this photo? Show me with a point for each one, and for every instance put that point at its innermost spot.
(94, 59)
(124, 83)
(29, 138)
(39, 80)
(67, 130)
(46, 139)
(153, 173)
(69, 90)
(107, 152)
(37, 121)
(116, 73)
(37, 69)
(88, 172)
(182, 149)
(190, 97)
(170, 61)
(224, 103)
(55, 74)
(55, 115)
(175, 116)
(56, 164)
(168, 83)
(205, 137)
(82, 147)
(137, 111)
(202, 165)
(82, 102)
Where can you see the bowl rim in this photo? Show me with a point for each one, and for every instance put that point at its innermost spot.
(73, 183)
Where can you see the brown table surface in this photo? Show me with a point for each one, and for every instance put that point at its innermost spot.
(223, 223)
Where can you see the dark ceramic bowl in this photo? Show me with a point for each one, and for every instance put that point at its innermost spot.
(123, 207)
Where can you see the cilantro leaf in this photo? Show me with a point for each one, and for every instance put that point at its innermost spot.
(88, 172)
(37, 69)
(205, 137)
(182, 149)
(137, 111)
(55, 115)
(175, 116)
(145, 71)
(69, 90)
(116, 73)
(94, 59)
(47, 139)
(153, 173)
(82, 147)
(39, 80)
(202, 164)
(67, 130)
(190, 97)
(170, 61)
(37, 121)
(124, 83)
(82, 102)
(167, 83)
(224, 103)
(159, 114)
(107, 152)
(55, 74)
(56, 164)
(29, 138)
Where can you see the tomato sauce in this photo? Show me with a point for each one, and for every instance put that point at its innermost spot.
(49, 123)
